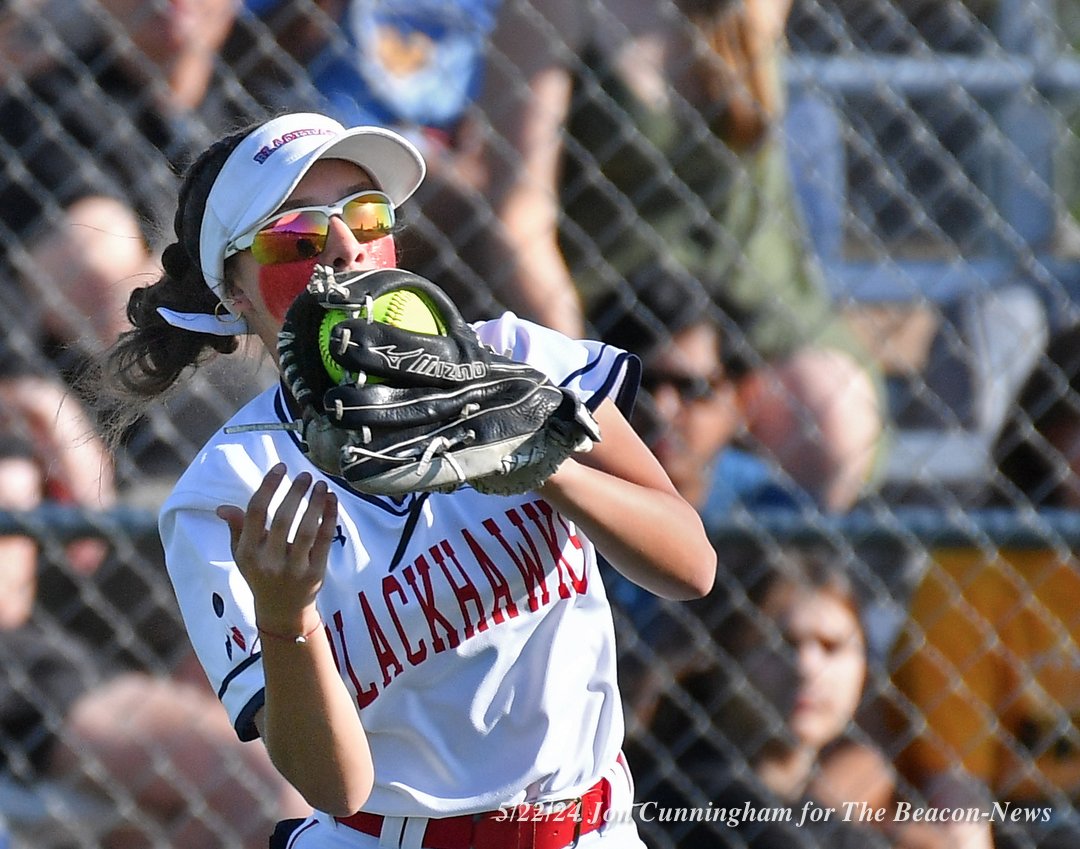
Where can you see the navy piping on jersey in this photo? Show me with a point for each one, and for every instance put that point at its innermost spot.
(245, 722)
(246, 729)
(293, 830)
(627, 392)
(407, 532)
(585, 369)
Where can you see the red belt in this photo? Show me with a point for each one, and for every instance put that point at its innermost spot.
(550, 825)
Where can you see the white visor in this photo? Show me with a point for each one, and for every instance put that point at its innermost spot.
(264, 169)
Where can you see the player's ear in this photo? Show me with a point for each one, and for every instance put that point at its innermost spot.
(234, 296)
(237, 302)
(234, 274)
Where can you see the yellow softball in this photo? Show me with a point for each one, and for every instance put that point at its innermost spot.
(402, 308)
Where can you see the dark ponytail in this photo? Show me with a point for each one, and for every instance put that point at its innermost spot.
(148, 360)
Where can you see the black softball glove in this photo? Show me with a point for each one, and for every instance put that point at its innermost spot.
(446, 410)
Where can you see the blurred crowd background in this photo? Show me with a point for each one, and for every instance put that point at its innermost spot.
(842, 237)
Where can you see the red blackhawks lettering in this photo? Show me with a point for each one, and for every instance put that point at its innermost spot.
(460, 591)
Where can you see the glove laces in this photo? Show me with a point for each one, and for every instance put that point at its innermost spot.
(438, 448)
(441, 446)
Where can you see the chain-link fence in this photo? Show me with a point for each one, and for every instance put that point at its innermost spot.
(910, 200)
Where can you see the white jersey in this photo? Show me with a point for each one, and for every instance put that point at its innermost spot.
(472, 630)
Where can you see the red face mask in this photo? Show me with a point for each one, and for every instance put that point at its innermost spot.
(280, 284)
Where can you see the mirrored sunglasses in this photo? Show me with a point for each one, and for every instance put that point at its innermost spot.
(299, 234)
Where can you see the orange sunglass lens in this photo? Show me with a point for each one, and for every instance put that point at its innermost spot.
(290, 238)
(368, 219)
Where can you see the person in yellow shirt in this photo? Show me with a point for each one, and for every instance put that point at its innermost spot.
(997, 677)
(991, 658)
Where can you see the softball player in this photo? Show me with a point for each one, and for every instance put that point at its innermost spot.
(431, 671)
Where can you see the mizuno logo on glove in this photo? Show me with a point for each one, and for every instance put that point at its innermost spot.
(421, 362)
(460, 413)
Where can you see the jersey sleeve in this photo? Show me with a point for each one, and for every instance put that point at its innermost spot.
(593, 370)
(214, 599)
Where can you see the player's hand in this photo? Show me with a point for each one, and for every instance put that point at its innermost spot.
(284, 573)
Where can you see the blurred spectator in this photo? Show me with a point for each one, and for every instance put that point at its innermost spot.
(691, 413)
(83, 210)
(96, 135)
(87, 208)
(162, 746)
(21, 487)
(989, 660)
(32, 33)
(116, 110)
(631, 134)
(38, 413)
(779, 675)
(415, 66)
(84, 275)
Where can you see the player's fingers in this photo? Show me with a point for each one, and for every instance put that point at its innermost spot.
(326, 533)
(234, 518)
(259, 505)
(287, 510)
(308, 526)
